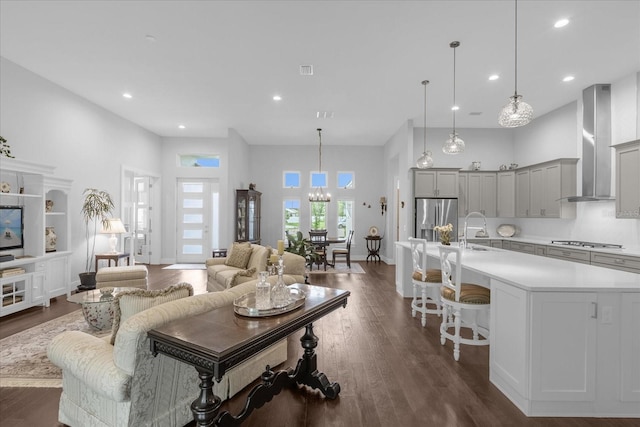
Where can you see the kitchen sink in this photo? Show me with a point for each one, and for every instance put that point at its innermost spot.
(478, 248)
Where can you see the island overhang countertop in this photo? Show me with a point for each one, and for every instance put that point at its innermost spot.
(537, 273)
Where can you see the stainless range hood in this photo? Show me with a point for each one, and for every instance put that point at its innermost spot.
(596, 144)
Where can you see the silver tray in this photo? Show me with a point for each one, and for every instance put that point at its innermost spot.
(246, 304)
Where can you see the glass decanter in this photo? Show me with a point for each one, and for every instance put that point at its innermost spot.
(280, 292)
(263, 292)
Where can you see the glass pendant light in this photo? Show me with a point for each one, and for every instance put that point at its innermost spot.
(425, 161)
(454, 144)
(517, 112)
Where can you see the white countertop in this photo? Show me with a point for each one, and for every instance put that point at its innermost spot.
(537, 273)
(626, 250)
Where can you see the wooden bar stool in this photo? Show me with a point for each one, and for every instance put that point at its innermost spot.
(426, 282)
(458, 297)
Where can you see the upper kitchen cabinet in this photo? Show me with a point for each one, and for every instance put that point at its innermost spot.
(550, 184)
(506, 199)
(478, 192)
(435, 182)
(628, 179)
(522, 193)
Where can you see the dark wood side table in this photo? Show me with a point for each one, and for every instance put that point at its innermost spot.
(373, 246)
(212, 354)
(112, 257)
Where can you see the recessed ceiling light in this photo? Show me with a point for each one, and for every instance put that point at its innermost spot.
(182, 127)
(455, 108)
(127, 95)
(568, 79)
(277, 98)
(494, 77)
(561, 23)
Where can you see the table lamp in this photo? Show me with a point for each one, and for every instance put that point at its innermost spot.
(113, 226)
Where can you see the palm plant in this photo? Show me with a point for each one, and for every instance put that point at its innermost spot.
(96, 206)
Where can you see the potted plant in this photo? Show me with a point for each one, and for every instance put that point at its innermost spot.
(301, 246)
(96, 207)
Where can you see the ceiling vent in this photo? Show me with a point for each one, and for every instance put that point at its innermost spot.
(306, 70)
(324, 115)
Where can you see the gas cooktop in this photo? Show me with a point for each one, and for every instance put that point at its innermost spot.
(585, 244)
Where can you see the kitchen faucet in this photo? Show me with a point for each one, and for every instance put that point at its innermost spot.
(465, 236)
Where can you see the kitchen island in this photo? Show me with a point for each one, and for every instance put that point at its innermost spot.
(564, 336)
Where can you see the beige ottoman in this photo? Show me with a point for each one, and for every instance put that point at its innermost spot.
(132, 276)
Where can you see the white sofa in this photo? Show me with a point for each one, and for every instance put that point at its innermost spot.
(125, 385)
(221, 276)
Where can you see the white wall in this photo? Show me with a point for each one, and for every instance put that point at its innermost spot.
(267, 164)
(45, 123)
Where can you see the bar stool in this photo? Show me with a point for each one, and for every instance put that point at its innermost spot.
(458, 297)
(426, 282)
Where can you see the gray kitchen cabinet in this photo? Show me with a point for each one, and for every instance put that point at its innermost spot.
(628, 179)
(435, 182)
(549, 186)
(462, 194)
(522, 193)
(506, 197)
(615, 261)
(478, 192)
(574, 255)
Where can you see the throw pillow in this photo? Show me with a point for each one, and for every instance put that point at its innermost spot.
(246, 273)
(239, 256)
(127, 303)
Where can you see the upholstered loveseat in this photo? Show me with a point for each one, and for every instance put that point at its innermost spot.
(243, 263)
(123, 384)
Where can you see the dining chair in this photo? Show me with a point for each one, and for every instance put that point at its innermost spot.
(426, 282)
(318, 239)
(458, 297)
(346, 252)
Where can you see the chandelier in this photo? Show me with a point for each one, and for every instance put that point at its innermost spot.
(425, 161)
(318, 195)
(517, 112)
(454, 144)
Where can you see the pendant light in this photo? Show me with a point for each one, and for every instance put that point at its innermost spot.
(454, 144)
(517, 112)
(425, 161)
(319, 195)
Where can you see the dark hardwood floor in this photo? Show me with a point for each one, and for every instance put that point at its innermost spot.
(391, 370)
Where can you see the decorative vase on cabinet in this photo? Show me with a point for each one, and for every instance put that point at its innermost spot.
(50, 239)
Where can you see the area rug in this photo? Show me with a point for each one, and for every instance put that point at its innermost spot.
(23, 356)
(185, 267)
(339, 268)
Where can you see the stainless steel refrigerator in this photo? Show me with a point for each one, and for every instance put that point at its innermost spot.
(432, 212)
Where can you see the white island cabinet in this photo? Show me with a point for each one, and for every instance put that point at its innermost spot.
(564, 336)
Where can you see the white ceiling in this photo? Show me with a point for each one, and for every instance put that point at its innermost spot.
(215, 65)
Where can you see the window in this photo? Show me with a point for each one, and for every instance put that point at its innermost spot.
(346, 180)
(291, 216)
(291, 180)
(318, 215)
(318, 179)
(199, 161)
(345, 218)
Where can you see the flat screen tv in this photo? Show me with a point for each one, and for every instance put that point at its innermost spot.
(11, 227)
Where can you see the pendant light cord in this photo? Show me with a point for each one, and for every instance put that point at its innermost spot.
(320, 151)
(516, 48)
(454, 45)
(424, 145)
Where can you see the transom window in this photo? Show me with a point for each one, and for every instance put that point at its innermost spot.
(199, 161)
(346, 180)
(291, 179)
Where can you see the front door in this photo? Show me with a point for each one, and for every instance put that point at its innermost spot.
(197, 219)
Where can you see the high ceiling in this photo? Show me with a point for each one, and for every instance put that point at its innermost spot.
(214, 65)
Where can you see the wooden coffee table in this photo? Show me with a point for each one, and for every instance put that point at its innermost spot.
(239, 338)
